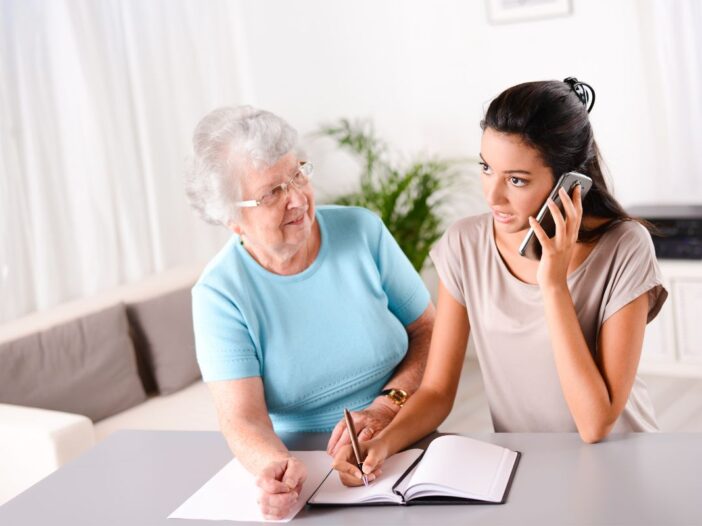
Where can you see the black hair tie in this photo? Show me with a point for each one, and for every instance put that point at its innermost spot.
(583, 91)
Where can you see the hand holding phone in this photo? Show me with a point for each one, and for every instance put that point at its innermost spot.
(530, 247)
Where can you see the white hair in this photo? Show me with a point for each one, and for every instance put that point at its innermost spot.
(225, 142)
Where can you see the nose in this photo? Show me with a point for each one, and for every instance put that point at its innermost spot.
(295, 196)
(493, 191)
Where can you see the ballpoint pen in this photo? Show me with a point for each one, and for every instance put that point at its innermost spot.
(354, 445)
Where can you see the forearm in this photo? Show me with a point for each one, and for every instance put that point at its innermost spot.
(583, 386)
(408, 375)
(254, 442)
(421, 415)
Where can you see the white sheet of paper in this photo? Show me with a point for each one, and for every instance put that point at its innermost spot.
(231, 493)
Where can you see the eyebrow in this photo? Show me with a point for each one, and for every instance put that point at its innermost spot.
(522, 172)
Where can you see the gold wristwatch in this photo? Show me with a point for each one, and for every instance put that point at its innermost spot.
(398, 396)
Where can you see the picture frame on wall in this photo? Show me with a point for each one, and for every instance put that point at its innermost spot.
(510, 11)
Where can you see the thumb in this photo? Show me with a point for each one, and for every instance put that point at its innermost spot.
(295, 473)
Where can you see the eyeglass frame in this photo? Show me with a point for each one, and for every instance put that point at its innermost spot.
(302, 167)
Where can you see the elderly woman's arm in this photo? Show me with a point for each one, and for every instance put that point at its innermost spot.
(407, 377)
(244, 421)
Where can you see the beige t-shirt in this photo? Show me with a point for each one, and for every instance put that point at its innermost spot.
(508, 325)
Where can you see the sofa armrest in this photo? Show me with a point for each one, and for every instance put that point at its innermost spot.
(34, 442)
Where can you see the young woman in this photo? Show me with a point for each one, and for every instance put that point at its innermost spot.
(558, 339)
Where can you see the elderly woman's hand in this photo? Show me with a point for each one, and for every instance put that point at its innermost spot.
(280, 484)
(368, 422)
(374, 452)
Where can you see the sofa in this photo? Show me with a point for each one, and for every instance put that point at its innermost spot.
(73, 374)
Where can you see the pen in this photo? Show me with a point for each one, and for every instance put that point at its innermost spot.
(354, 445)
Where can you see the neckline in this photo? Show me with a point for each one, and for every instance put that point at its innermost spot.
(289, 278)
(501, 262)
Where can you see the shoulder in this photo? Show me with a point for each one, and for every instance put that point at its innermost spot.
(471, 228)
(629, 236)
(625, 248)
(350, 225)
(466, 238)
(222, 269)
(348, 216)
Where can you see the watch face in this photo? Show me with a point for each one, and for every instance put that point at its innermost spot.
(398, 396)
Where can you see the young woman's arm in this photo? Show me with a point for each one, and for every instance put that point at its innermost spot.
(430, 404)
(596, 392)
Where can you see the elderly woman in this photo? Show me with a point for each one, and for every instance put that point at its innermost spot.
(305, 311)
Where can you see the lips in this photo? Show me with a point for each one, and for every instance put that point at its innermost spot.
(502, 217)
(297, 221)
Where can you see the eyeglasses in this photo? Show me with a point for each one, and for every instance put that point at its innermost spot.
(299, 180)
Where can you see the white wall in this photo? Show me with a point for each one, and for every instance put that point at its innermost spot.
(425, 71)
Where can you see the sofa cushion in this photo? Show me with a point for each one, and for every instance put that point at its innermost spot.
(189, 409)
(85, 365)
(162, 329)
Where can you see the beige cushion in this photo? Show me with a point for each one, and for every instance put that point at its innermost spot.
(85, 365)
(162, 329)
(189, 409)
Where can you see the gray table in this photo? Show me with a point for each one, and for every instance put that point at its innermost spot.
(140, 477)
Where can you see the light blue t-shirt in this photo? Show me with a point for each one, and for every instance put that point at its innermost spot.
(321, 340)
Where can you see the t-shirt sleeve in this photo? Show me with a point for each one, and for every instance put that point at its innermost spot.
(407, 295)
(223, 344)
(635, 272)
(446, 256)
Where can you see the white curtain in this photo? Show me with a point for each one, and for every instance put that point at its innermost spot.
(673, 33)
(98, 100)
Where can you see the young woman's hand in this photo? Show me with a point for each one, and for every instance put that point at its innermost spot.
(280, 484)
(557, 251)
(374, 452)
(367, 422)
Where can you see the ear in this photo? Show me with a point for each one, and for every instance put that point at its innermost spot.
(235, 227)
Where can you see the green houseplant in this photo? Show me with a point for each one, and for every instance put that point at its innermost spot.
(409, 199)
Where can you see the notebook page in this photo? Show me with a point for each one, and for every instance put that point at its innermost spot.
(503, 475)
(232, 492)
(333, 491)
(468, 466)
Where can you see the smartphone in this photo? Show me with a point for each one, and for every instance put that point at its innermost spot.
(530, 247)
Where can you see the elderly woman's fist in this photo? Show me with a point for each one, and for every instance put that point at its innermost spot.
(280, 484)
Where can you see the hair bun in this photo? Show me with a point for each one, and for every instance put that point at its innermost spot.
(583, 90)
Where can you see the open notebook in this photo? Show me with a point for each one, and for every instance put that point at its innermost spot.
(452, 470)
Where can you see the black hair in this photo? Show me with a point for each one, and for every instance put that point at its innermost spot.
(552, 117)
